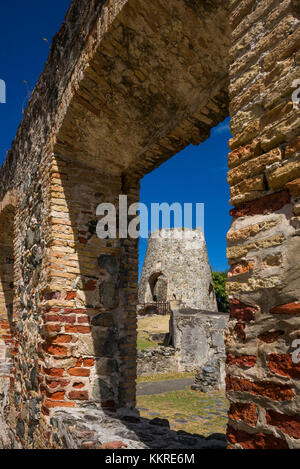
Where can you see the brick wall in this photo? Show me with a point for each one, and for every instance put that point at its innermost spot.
(263, 242)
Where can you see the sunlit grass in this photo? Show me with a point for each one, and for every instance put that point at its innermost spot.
(191, 411)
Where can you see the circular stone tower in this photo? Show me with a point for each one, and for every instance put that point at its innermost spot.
(176, 267)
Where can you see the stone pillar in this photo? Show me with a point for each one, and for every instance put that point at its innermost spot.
(263, 382)
(89, 313)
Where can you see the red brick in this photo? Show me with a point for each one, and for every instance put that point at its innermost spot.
(79, 372)
(283, 365)
(62, 339)
(51, 328)
(287, 423)
(59, 350)
(244, 361)
(83, 320)
(290, 309)
(78, 329)
(78, 395)
(268, 204)
(48, 403)
(270, 337)
(254, 441)
(56, 396)
(246, 412)
(239, 310)
(54, 371)
(78, 385)
(277, 392)
(53, 384)
(71, 295)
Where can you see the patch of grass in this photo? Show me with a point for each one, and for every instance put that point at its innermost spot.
(163, 376)
(143, 342)
(203, 413)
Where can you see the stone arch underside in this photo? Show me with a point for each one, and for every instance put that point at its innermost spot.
(127, 85)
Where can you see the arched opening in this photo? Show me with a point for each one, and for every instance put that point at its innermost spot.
(158, 284)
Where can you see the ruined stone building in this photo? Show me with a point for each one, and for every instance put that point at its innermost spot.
(127, 85)
(177, 268)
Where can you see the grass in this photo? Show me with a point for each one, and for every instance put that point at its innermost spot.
(143, 342)
(150, 325)
(204, 413)
(162, 377)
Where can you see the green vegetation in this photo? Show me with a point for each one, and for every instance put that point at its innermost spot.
(219, 281)
(143, 341)
(191, 411)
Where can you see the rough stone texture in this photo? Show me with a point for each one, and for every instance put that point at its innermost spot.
(127, 85)
(90, 428)
(211, 376)
(263, 241)
(176, 267)
(156, 360)
(198, 338)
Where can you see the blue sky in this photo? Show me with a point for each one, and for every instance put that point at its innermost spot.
(197, 174)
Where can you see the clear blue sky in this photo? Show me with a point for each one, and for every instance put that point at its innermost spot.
(198, 174)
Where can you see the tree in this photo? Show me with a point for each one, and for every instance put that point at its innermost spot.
(219, 281)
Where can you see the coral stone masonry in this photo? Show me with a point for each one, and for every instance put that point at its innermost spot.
(127, 85)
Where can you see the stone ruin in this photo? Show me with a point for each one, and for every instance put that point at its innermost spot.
(176, 270)
(127, 85)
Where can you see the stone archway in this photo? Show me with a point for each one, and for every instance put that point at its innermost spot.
(128, 84)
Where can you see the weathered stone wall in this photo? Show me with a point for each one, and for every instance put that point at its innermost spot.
(183, 262)
(263, 241)
(156, 360)
(198, 337)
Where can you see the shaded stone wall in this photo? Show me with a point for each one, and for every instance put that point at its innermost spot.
(184, 263)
